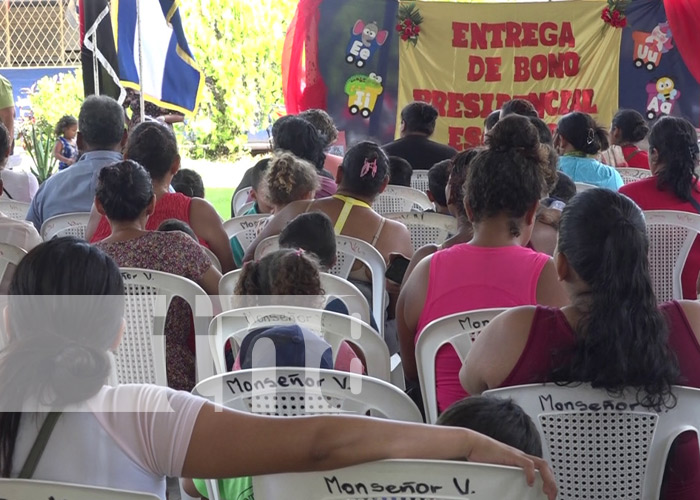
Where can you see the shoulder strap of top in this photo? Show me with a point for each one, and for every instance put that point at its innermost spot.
(39, 445)
(348, 203)
(379, 231)
(632, 154)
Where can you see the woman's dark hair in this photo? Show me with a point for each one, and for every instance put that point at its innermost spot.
(124, 190)
(189, 183)
(177, 225)
(564, 189)
(312, 232)
(499, 419)
(542, 130)
(521, 107)
(457, 178)
(289, 179)
(66, 121)
(65, 310)
(298, 136)
(583, 133)
(437, 181)
(632, 125)
(508, 177)
(284, 272)
(153, 145)
(400, 172)
(676, 144)
(419, 117)
(365, 167)
(492, 119)
(621, 337)
(323, 123)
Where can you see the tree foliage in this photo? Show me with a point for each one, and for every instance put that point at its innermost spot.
(55, 96)
(238, 45)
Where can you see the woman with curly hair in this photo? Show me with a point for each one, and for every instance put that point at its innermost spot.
(673, 158)
(503, 188)
(613, 335)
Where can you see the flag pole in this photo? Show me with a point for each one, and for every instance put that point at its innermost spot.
(95, 67)
(138, 27)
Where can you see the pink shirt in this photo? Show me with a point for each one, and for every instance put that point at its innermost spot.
(467, 277)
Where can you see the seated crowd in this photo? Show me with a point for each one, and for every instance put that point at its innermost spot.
(571, 272)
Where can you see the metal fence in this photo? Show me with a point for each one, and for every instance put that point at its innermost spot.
(39, 33)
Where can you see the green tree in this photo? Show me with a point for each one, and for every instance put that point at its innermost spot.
(238, 45)
(55, 96)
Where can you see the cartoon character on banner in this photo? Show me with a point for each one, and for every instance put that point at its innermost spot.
(363, 92)
(364, 42)
(662, 97)
(648, 47)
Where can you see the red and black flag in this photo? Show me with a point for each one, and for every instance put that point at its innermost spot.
(97, 45)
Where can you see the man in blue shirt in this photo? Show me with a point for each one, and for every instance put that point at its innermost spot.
(101, 136)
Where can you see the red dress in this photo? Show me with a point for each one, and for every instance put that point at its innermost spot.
(648, 196)
(169, 206)
(635, 157)
(551, 333)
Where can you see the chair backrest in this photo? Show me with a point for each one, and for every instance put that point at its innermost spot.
(24, 489)
(335, 287)
(9, 254)
(582, 186)
(671, 235)
(419, 180)
(14, 209)
(140, 357)
(601, 446)
(72, 224)
(292, 391)
(212, 257)
(405, 479)
(459, 330)
(239, 199)
(633, 174)
(245, 228)
(401, 199)
(426, 227)
(333, 327)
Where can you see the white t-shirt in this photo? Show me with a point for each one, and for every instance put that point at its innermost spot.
(21, 186)
(128, 437)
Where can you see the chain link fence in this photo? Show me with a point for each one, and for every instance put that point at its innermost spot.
(36, 33)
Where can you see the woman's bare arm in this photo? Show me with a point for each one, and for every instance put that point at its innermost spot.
(206, 224)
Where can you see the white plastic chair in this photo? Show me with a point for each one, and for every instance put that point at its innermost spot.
(671, 235)
(401, 199)
(414, 479)
(239, 200)
(583, 186)
(348, 250)
(30, 489)
(601, 446)
(419, 180)
(426, 227)
(212, 257)
(16, 210)
(459, 330)
(292, 391)
(140, 357)
(245, 228)
(9, 254)
(633, 174)
(333, 327)
(72, 224)
(334, 287)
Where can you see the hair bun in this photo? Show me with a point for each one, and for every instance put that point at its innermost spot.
(514, 132)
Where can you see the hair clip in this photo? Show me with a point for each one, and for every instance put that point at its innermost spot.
(299, 252)
(369, 167)
(591, 136)
(557, 205)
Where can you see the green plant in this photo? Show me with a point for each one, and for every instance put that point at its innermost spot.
(39, 142)
(55, 96)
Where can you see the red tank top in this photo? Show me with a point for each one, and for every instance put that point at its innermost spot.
(551, 333)
(169, 206)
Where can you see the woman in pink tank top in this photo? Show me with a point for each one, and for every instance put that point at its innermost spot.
(153, 146)
(613, 335)
(502, 191)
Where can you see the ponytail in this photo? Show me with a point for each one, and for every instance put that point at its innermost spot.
(583, 133)
(621, 337)
(676, 144)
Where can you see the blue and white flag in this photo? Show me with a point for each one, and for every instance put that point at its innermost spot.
(170, 76)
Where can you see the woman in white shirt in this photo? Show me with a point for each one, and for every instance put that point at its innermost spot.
(18, 185)
(65, 313)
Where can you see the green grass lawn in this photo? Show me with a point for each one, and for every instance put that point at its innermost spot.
(221, 199)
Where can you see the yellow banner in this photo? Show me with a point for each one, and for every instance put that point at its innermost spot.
(471, 58)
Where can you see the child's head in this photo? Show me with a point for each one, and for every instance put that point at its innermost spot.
(258, 188)
(564, 189)
(582, 132)
(177, 225)
(437, 182)
(289, 179)
(365, 170)
(500, 419)
(154, 146)
(312, 232)
(400, 172)
(189, 183)
(67, 127)
(300, 137)
(284, 272)
(521, 107)
(323, 122)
